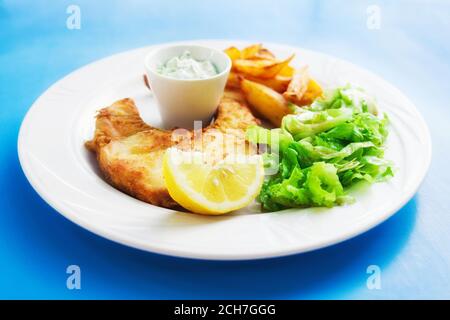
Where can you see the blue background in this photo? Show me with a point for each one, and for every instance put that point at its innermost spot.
(411, 50)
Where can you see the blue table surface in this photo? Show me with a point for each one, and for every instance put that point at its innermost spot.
(411, 49)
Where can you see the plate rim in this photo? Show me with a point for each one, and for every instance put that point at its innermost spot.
(123, 240)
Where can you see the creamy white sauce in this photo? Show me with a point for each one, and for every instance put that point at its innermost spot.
(186, 67)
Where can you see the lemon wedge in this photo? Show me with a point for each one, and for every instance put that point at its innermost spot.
(212, 188)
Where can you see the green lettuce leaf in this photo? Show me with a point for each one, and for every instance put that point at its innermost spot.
(308, 123)
(322, 150)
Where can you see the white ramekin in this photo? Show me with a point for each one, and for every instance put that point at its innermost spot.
(183, 101)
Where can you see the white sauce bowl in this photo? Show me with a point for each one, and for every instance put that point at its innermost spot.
(183, 101)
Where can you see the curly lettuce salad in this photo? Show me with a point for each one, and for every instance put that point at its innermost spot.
(322, 150)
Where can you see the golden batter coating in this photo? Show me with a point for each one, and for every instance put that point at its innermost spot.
(130, 152)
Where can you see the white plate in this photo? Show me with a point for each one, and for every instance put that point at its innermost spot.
(64, 173)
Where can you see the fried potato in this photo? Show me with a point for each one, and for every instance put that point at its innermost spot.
(264, 53)
(277, 83)
(233, 81)
(233, 52)
(312, 92)
(257, 51)
(287, 71)
(265, 101)
(298, 85)
(261, 68)
(251, 51)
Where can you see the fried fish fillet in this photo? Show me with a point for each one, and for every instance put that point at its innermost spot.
(130, 152)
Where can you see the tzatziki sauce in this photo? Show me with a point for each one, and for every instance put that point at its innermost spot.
(186, 67)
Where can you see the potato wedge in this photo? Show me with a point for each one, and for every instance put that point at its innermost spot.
(233, 81)
(263, 53)
(251, 51)
(265, 101)
(287, 71)
(233, 52)
(257, 51)
(261, 68)
(312, 92)
(298, 85)
(277, 83)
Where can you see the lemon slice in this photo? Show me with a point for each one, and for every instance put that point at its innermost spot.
(212, 188)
